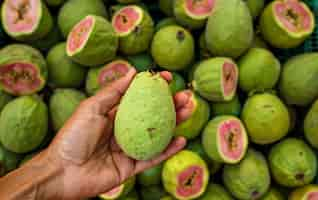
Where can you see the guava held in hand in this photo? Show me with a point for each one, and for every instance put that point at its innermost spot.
(185, 175)
(92, 41)
(286, 23)
(26, 20)
(135, 29)
(23, 70)
(146, 117)
(103, 76)
(225, 139)
(216, 79)
(193, 13)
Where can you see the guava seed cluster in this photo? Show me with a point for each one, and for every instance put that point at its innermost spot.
(237, 78)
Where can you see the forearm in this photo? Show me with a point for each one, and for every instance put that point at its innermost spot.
(38, 179)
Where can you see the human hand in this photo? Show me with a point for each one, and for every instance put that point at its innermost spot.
(86, 150)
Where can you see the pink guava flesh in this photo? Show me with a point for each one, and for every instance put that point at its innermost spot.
(293, 15)
(127, 19)
(112, 72)
(190, 181)
(21, 15)
(199, 7)
(229, 78)
(312, 196)
(185, 106)
(231, 139)
(113, 192)
(20, 78)
(80, 34)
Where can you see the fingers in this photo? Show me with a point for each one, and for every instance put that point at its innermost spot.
(166, 75)
(175, 146)
(184, 105)
(181, 99)
(110, 96)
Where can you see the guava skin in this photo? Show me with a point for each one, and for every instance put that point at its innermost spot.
(259, 70)
(229, 29)
(139, 39)
(142, 62)
(216, 192)
(166, 6)
(133, 195)
(299, 85)
(127, 187)
(174, 168)
(137, 132)
(63, 103)
(266, 118)
(204, 51)
(244, 183)
(311, 125)
(273, 194)
(4, 99)
(63, 72)
(8, 160)
(303, 193)
(91, 55)
(212, 138)
(276, 34)
(42, 27)
(20, 53)
(79, 10)
(293, 163)
(177, 84)
(151, 176)
(128, 1)
(258, 42)
(192, 126)
(165, 22)
(255, 6)
(180, 44)
(154, 192)
(232, 107)
(23, 124)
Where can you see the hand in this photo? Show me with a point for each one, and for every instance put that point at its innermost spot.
(85, 148)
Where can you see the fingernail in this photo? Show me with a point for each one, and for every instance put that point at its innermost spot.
(181, 141)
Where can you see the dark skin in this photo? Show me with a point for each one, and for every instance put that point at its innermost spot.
(84, 160)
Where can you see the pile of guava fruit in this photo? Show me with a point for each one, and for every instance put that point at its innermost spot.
(250, 118)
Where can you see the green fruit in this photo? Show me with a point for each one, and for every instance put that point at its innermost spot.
(177, 83)
(128, 1)
(142, 62)
(196, 118)
(133, 195)
(286, 24)
(229, 29)
(192, 13)
(74, 11)
(308, 192)
(154, 192)
(225, 140)
(299, 85)
(4, 99)
(23, 124)
(258, 42)
(255, 6)
(8, 161)
(135, 29)
(232, 107)
(82, 40)
(55, 3)
(139, 134)
(216, 79)
(293, 163)
(204, 51)
(173, 48)
(272, 194)
(27, 158)
(249, 179)
(166, 6)
(266, 118)
(259, 70)
(169, 21)
(120, 191)
(167, 198)
(100, 77)
(151, 176)
(311, 125)
(63, 72)
(216, 192)
(185, 175)
(63, 103)
(23, 70)
(26, 20)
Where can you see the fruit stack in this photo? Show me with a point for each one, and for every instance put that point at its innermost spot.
(251, 120)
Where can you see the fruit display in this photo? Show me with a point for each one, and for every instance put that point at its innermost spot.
(250, 117)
